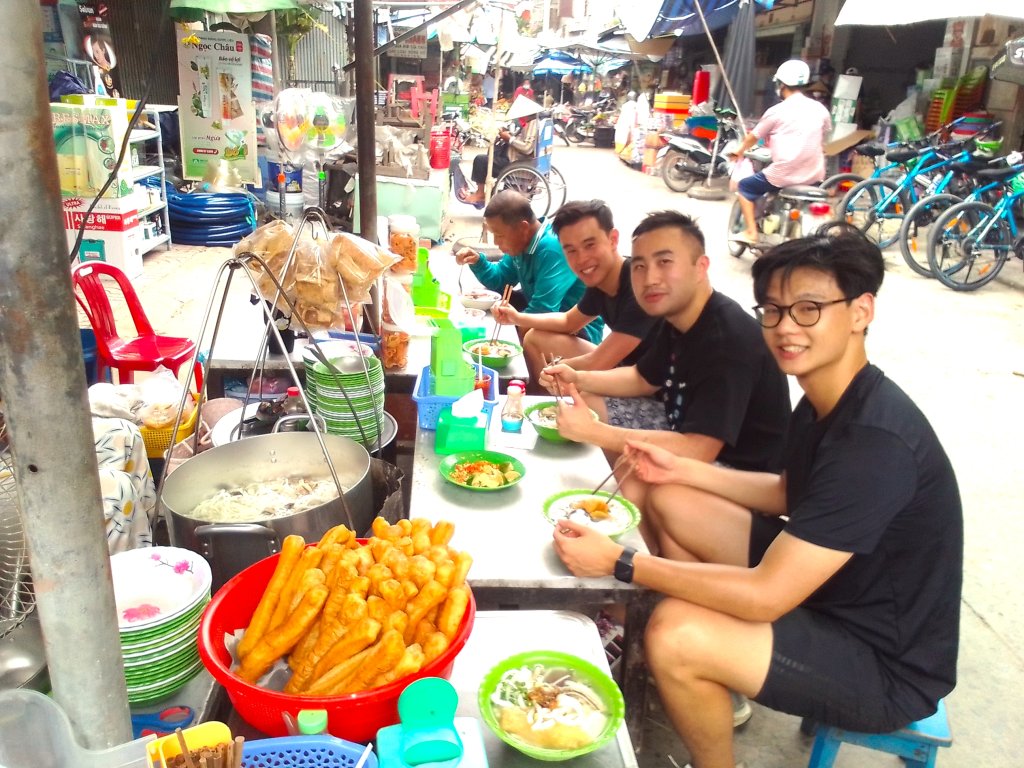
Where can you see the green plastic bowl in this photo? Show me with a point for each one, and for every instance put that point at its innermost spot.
(584, 671)
(448, 464)
(549, 433)
(634, 514)
(490, 361)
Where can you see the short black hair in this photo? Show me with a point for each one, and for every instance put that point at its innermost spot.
(668, 218)
(839, 250)
(511, 207)
(575, 211)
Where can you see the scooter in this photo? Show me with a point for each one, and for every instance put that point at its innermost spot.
(582, 120)
(790, 213)
(687, 160)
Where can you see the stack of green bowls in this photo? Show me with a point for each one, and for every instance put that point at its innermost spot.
(160, 594)
(326, 392)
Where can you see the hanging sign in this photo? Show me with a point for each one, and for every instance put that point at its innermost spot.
(413, 48)
(215, 107)
(98, 47)
(1015, 52)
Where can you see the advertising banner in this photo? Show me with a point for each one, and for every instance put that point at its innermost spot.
(98, 47)
(215, 106)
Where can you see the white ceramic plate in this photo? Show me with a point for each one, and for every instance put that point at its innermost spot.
(154, 585)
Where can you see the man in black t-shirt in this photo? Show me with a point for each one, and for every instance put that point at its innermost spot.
(587, 234)
(722, 394)
(839, 599)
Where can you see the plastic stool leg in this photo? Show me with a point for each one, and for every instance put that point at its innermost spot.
(825, 749)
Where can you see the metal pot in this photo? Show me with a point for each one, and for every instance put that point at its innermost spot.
(231, 547)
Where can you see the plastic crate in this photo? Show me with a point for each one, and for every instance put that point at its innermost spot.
(428, 407)
(296, 751)
(159, 440)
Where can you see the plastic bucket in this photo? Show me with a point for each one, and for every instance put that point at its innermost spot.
(294, 203)
(701, 86)
(440, 149)
(89, 354)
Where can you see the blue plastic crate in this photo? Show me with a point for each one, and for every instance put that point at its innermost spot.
(303, 751)
(428, 407)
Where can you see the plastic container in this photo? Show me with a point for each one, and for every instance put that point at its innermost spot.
(353, 716)
(293, 406)
(440, 148)
(35, 733)
(394, 346)
(203, 736)
(428, 406)
(312, 722)
(158, 441)
(322, 751)
(512, 415)
(89, 354)
(403, 240)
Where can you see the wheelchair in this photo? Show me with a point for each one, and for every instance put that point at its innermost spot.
(537, 179)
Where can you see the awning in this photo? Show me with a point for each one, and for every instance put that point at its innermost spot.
(559, 65)
(655, 18)
(887, 13)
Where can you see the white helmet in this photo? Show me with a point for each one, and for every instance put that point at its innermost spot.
(793, 73)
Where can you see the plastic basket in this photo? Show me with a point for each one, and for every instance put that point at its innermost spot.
(159, 440)
(297, 751)
(354, 716)
(428, 407)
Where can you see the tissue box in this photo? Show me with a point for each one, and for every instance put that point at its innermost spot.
(455, 434)
(428, 406)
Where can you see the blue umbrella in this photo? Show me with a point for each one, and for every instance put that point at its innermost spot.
(552, 65)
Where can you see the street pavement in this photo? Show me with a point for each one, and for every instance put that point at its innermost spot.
(960, 356)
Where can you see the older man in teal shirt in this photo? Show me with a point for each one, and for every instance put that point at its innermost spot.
(533, 259)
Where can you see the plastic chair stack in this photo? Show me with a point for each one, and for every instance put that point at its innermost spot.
(146, 351)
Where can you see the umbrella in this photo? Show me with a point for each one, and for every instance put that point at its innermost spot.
(654, 18)
(739, 61)
(888, 13)
(523, 107)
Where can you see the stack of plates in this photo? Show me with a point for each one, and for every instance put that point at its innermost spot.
(366, 395)
(160, 594)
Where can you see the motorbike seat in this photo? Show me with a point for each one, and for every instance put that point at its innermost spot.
(803, 192)
(870, 150)
(901, 155)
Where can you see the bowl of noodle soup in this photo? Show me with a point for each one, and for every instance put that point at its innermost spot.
(550, 705)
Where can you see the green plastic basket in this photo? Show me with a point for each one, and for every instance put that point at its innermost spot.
(583, 671)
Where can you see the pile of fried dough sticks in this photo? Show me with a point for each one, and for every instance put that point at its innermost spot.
(351, 617)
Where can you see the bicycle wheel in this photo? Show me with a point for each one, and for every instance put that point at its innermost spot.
(530, 183)
(968, 246)
(837, 186)
(917, 226)
(559, 189)
(876, 208)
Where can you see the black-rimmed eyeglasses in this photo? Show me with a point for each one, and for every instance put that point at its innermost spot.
(804, 313)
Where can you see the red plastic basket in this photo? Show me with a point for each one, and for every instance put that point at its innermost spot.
(353, 716)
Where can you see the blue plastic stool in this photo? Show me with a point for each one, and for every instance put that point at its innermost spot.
(918, 744)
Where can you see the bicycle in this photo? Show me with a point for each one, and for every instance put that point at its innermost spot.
(971, 241)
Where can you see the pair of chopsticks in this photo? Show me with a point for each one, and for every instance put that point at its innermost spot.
(550, 360)
(506, 294)
(227, 755)
(629, 470)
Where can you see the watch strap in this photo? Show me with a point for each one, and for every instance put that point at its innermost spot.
(624, 565)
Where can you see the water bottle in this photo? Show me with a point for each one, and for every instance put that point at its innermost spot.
(512, 412)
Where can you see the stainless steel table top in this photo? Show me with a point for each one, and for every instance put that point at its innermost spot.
(499, 634)
(505, 531)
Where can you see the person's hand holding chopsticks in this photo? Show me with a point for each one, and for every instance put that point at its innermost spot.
(505, 314)
(584, 550)
(562, 372)
(575, 419)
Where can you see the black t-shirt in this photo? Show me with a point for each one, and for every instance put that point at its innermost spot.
(719, 379)
(621, 313)
(872, 479)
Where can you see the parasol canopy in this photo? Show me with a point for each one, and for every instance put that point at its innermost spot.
(655, 18)
(555, 65)
(888, 13)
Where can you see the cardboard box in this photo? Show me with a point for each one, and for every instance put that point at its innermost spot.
(846, 139)
(88, 139)
(122, 249)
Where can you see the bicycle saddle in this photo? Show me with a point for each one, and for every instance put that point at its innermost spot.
(869, 150)
(969, 166)
(999, 173)
(803, 192)
(901, 155)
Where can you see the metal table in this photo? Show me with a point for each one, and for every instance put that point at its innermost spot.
(514, 562)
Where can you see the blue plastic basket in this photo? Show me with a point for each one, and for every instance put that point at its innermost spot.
(428, 407)
(305, 751)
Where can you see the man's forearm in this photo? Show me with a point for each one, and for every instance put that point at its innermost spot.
(764, 492)
(552, 322)
(614, 439)
(618, 382)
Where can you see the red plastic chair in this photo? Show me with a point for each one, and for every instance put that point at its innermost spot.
(147, 351)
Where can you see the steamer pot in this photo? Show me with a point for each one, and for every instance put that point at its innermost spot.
(231, 547)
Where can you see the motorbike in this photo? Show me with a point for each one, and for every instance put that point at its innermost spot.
(790, 213)
(687, 160)
(559, 117)
(580, 125)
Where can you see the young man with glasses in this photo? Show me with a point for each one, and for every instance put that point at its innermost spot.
(837, 600)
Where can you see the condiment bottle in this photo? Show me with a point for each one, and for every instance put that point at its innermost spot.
(293, 405)
(512, 412)
(312, 721)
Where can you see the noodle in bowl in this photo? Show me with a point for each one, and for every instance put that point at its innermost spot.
(617, 515)
(262, 501)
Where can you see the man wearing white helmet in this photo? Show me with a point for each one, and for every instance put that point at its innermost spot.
(794, 130)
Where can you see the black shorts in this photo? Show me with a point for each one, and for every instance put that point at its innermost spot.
(819, 669)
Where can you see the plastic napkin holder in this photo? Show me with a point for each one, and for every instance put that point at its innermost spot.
(456, 434)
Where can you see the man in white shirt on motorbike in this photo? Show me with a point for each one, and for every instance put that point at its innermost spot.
(794, 130)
